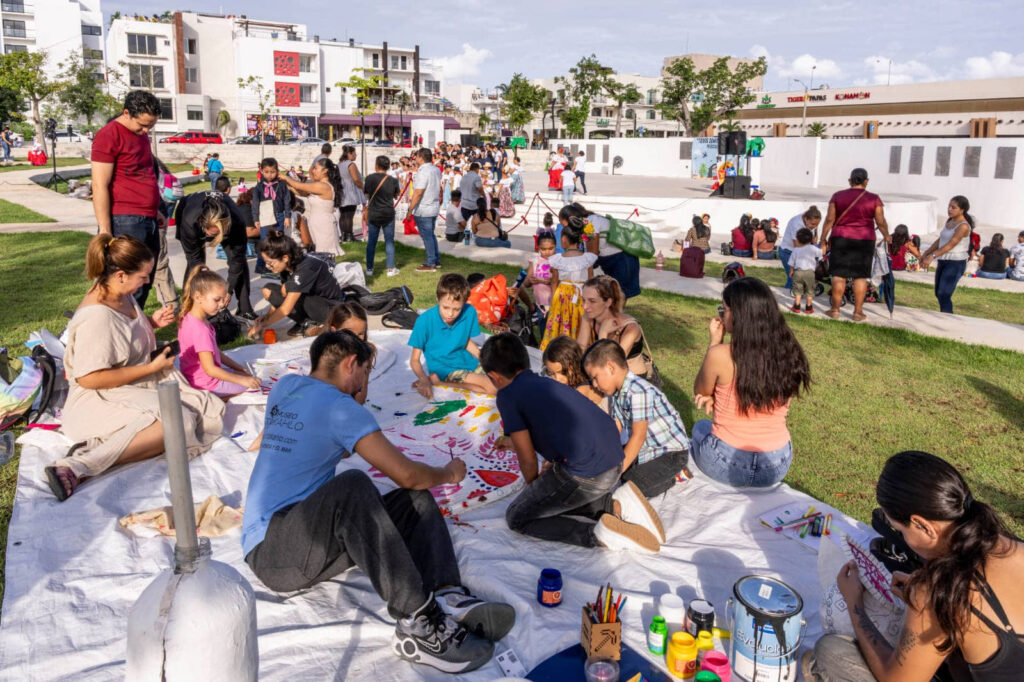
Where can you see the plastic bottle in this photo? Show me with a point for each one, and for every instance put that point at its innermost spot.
(657, 636)
(520, 279)
(704, 644)
(670, 607)
(466, 240)
(681, 657)
(659, 261)
(718, 663)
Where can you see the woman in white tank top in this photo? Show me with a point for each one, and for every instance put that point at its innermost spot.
(951, 251)
(321, 195)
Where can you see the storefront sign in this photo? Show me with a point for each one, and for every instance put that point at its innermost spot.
(853, 95)
(809, 98)
(603, 123)
(766, 103)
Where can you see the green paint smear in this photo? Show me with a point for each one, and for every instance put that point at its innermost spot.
(440, 410)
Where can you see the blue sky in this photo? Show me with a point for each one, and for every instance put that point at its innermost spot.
(484, 41)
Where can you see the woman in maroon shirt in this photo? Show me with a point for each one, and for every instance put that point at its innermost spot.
(742, 238)
(852, 245)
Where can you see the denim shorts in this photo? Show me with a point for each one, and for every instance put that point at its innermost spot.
(739, 468)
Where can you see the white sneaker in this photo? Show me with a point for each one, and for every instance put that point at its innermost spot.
(635, 508)
(614, 533)
(369, 273)
(392, 272)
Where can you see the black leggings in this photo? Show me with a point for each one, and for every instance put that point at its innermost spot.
(345, 220)
(308, 307)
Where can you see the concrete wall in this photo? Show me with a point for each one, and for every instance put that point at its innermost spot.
(640, 156)
(791, 161)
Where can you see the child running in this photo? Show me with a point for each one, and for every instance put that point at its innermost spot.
(802, 263)
(443, 336)
(569, 271)
(205, 293)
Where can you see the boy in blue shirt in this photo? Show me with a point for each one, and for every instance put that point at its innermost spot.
(443, 336)
(583, 460)
(304, 525)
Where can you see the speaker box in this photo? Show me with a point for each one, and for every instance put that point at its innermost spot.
(736, 187)
(469, 140)
(733, 143)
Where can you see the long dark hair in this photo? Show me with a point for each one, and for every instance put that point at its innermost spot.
(277, 246)
(482, 212)
(570, 210)
(333, 177)
(703, 232)
(997, 241)
(747, 228)
(900, 236)
(573, 231)
(919, 484)
(965, 206)
(771, 366)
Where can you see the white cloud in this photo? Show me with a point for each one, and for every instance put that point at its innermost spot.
(464, 65)
(898, 73)
(802, 67)
(997, 65)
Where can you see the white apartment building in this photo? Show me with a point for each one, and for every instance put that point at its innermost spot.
(194, 61)
(58, 27)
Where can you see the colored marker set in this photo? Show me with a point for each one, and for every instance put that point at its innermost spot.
(606, 608)
(601, 629)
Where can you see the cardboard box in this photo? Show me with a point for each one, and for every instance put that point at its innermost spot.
(601, 640)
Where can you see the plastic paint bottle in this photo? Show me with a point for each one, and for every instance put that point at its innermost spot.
(704, 644)
(670, 607)
(718, 663)
(682, 656)
(657, 635)
(707, 676)
(549, 587)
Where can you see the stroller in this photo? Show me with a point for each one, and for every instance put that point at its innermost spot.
(822, 280)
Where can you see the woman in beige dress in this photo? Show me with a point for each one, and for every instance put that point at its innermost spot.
(322, 195)
(112, 413)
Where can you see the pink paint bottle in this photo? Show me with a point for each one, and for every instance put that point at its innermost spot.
(718, 663)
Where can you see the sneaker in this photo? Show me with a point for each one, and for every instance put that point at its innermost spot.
(809, 309)
(315, 330)
(614, 533)
(634, 508)
(490, 620)
(369, 273)
(392, 272)
(431, 637)
(248, 315)
(296, 329)
(794, 308)
(426, 268)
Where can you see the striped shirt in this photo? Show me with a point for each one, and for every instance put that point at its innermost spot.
(639, 401)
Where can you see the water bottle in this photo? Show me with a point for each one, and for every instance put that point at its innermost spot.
(466, 240)
(520, 279)
(659, 261)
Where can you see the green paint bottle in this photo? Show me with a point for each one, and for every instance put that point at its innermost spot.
(657, 635)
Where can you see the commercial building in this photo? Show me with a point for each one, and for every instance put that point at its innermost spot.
(975, 108)
(58, 27)
(193, 62)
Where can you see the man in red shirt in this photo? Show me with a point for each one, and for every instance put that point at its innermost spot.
(125, 196)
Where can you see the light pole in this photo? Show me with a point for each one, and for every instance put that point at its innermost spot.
(554, 131)
(812, 76)
(803, 120)
(888, 75)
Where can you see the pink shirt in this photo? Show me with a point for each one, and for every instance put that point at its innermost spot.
(539, 267)
(196, 336)
(756, 431)
(859, 221)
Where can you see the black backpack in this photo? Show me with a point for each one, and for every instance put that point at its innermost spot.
(400, 318)
(226, 326)
(520, 323)
(396, 298)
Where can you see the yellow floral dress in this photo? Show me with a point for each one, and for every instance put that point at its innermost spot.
(566, 311)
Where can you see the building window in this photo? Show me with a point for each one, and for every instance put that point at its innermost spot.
(1006, 160)
(432, 87)
(895, 158)
(376, 60)
(15, 48)
(14, 7)
(146, 76)
(942, 156)
(166, 109)
(194, 113)
(394, 61)
(650, 114)
(306, 62)
(14, 29)
(191, 75)
(87, 30)
(596, 111)
(306, 93)
(191, 46)
(652, 97)
(916, 160)
(630, 114)
(96, 55)
(141, 44)
(404, 63)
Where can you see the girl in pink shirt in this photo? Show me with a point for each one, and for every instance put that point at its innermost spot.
(205, 293)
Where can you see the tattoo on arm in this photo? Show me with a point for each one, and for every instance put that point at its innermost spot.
(871, 633)
(908, 640)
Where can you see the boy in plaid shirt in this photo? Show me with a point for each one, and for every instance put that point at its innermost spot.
(657, 448)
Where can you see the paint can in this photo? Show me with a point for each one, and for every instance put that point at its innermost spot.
(549, 587)
(700, 616)
(766, 619)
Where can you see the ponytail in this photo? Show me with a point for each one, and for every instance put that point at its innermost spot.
(919, 484)
(107, 255)
(333, 179)
(277, 246)
(214, 214)
(200, 281)
(965, 206)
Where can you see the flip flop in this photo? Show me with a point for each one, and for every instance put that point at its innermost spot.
(834, 314)
(860, 318)
(57, 484)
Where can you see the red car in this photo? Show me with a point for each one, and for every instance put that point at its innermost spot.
(192, 137)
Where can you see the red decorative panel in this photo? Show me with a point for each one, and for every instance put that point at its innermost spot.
(286, 63)
(286, 94)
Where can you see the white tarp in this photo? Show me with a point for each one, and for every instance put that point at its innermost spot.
(71, 575)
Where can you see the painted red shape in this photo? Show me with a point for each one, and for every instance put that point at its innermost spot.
(499, 479)
(286, 63)
(286, 94)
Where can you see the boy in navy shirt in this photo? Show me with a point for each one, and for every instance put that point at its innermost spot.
(443, 335)
(584, 459)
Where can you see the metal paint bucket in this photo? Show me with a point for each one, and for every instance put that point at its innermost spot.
(766, 619)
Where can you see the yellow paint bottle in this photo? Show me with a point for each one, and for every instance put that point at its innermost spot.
(681, 656)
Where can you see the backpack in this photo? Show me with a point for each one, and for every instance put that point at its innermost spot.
(732, 271)
(379, 303)
(520, 323)
(226, 326)
(490, 299)
(24, 382)
(170, 187)
(400, 318)
(691, 262)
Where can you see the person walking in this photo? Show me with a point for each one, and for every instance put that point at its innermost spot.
(6, 143)
(425, 205)
(125, 198)
(352, 191)
(951, 250)
(580, 168)
(215, 169)
(853, 240)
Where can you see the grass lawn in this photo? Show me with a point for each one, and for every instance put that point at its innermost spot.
(16, 213)
(61, 162)
(1003, 306)
(180, 169)
(877, 391)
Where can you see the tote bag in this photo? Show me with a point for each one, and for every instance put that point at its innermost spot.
(633, 238)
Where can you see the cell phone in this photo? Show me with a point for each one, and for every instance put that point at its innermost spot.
(173, 345)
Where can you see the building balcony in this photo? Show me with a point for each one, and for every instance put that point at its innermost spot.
(19, 33)
(17, 8)
(92, 55)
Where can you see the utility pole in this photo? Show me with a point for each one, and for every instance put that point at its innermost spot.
(803, 120)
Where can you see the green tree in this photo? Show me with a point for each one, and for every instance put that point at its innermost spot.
(699, 98)
(11, 106)
(622, 93)
(585, 81)
(364, 88)
(730, 126)
(23, 73)
(263, 93)
(223, 119)
(817, 129)
(81, 92)
(482, 121)
(523, 100)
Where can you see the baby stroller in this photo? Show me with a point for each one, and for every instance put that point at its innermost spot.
(822, 280)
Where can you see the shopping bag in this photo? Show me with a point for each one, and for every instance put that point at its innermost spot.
(633, 238)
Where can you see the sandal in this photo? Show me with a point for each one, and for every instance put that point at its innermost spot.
(834, 314)
(859, 317)
(57, 477)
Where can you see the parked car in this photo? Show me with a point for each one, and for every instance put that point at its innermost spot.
(75, 136)
(242, 139)
(255, 139)
(381, 143)
(305, 141)
(193, 137)
(345, 140)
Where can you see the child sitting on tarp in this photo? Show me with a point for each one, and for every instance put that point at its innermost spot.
(443, 336)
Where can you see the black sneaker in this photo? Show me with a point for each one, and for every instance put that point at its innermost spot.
(491, 620)
(296, 329)
(431, 637)
(248, 315)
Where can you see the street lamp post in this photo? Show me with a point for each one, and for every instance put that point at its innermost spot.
(401, 123)
(803, 120)
(554, 131)
(812, 76)
(888, 75)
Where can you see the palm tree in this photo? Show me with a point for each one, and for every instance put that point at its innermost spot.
(223, 119)
(817, 129)
(482, 122)
(729, 126)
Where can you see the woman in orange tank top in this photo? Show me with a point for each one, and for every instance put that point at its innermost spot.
(748, 383)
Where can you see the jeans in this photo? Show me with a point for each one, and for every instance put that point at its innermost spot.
(947, 276)
(213, 180)
(144, 229)
(1015, 278)
(568, 191)
(658, 475)
(162, 278)
(425, 226)
(583, 180)
(739, 468)
(993, 275)
(261, 266)
(838, 659)
(545, 507)
(784, 256)
(488, 242)
(743, 253)
(389, 243)
(766, 255)
(308, 307)
(399, 540)
(7, 151)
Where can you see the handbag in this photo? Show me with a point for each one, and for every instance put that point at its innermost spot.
(633, 238)
(409, 223)
(650, 369)
(366, 209)
(490, 299)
